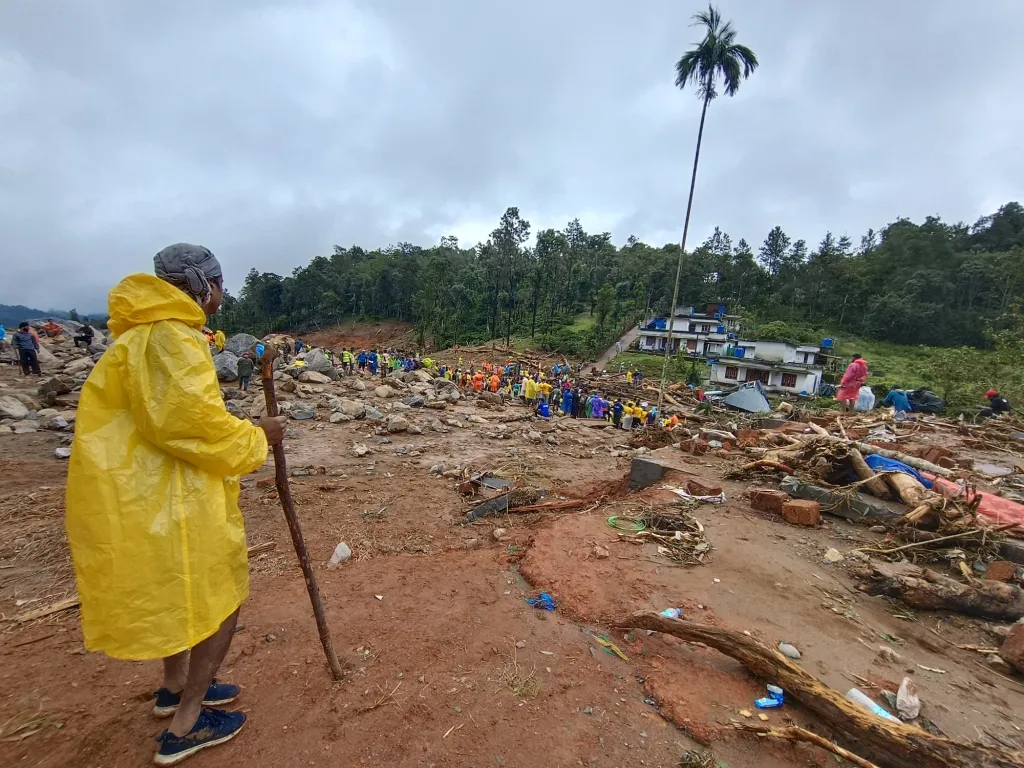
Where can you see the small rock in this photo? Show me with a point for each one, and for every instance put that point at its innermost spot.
(373, 414)
(64, 452)
(878, 529)
(360, 449)
(834, 556)
(338, 417)
(415, 429)
(397, 424)
(497, 533)
(789, 651)
(600, 552)
(889, 655)
(520, 644)
(342, 552)
(437, 469)
(534, 437)
(588, 710)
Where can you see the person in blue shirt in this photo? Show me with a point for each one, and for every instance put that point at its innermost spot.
(897, 398)
(362, 360)
(298, 345)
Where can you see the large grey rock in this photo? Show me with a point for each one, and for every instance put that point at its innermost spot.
(317, 361)
(12, 408)
(80, 365)
(226, 365)
(373, 414)
(314, 377)
(397, 424)
(25, 426)
(338, 416)
(416, 401)
(302, 412)
(351, 408)
(383, 392)
(45, 356)
(56, 385)
(97, 349)
(57, 422)
(234, 407)
(359, 385)
(239, 343)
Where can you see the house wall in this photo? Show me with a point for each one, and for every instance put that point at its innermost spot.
(795, 382)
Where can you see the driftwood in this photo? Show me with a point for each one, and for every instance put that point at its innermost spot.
(907, 488)
(794, 733)
(875, 484)
(910, 461)
(889, 745)
(923, 588)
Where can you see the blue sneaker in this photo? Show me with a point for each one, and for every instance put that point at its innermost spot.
(213, 727)
(217, 695)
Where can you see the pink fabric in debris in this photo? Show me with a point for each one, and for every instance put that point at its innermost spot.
(995, 509)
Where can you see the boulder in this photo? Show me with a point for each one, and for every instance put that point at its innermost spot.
(490, 397)
(383, 392)
(416, 401)
(397, 424)
(317, 361)
(234, 407)
(226, 365)
(314, 377)
(359, 385)
(302, 411)
(373, 414)
(45, 356)
(288, 385)
(239, 344)
(56, 385)
(97, 349)
(258, 408)
(351, 408)
(338, 416)
(415, 430)
(437, 405)
(12, 408)
(57, 422)
(64, 452)
(25, 426)
(80, 365)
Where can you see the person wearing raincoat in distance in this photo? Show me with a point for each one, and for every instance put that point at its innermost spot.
(155, 531)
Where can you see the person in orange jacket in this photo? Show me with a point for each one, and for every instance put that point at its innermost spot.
(478, 381)
(495, 382)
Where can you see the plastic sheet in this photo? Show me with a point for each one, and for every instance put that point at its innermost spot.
(156, 535)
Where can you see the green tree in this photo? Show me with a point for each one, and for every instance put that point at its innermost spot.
(717, 56)
(603, 305)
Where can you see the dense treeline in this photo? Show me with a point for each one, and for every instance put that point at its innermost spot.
(930, 283)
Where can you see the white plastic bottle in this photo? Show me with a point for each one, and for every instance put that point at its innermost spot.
(857, 696)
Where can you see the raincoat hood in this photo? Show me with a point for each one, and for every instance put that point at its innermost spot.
(143, 299)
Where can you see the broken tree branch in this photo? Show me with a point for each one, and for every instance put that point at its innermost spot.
(923, 588)
(910, 461)
(889, 745)
(874, 483)
(794, 733)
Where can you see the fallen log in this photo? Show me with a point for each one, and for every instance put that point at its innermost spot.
(907, 488)
(923, 588)
(910, 461)
(795, 733)
(875, 484)
(889, 745)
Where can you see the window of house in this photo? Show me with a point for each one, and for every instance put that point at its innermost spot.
(732, 372)
(755, 375)
(789, 379)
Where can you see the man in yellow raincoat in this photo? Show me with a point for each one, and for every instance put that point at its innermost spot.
(156, 535)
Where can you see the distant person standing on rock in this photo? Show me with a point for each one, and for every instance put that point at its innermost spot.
(853, 379)
(245, 367)
(27, 344)
(156, 535)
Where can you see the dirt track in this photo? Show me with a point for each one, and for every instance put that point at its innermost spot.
(436, 678)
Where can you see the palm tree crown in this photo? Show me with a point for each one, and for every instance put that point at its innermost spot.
(718, 53)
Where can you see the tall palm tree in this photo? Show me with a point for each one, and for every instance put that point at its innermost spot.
(717, 56)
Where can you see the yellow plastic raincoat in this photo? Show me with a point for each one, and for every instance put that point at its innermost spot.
(219, 340)
(156, 535)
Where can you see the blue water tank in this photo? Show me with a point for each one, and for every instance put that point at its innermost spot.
(828, 343)
(721, 329)
(739, 351)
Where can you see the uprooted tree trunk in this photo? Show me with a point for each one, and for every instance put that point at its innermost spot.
(888, 744)
(874, 483)
(910, 461)
(923, 588)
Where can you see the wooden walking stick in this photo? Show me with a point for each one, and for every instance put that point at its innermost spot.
(285, 494)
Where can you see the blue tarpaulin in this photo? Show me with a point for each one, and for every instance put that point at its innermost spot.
(882, 464)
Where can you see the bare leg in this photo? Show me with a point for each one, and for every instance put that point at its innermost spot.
(202, 666)
(176, 672)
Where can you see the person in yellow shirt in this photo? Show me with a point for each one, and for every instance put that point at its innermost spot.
(531, 391)
(219, 340)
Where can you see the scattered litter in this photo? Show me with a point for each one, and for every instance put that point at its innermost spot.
(611, 647)
(762, 717)
(746, 713)
(341, 554)
(775, 698)
(672, 613)
(628, 524)
(932, 669)
(908, 704)
(548, 653)
(687, 496)
(857, 696)
(543, 600)
(718, 581)
(379, 597)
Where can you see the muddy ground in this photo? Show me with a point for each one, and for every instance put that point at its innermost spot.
(448, 664)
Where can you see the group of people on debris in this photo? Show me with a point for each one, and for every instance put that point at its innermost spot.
(25, 342)
(851, 393)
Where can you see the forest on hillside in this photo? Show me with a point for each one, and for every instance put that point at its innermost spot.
(931, 283)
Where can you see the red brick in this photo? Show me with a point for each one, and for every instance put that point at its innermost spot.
(946, 462)
(696, 446)
(1013, 649)
(801, 512)
(793, 428)
(1000, 570)
(696, 486)
(768, 500)
(748, 434)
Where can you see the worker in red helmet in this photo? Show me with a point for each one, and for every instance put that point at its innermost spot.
(996, 405)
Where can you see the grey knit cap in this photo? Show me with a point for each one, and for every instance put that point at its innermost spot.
(188, 267)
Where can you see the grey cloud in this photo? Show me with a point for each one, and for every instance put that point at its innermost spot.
(271, 130)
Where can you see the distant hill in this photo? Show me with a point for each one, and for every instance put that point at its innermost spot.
(12, 314)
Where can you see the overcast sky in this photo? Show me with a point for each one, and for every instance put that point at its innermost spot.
(269, 130)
